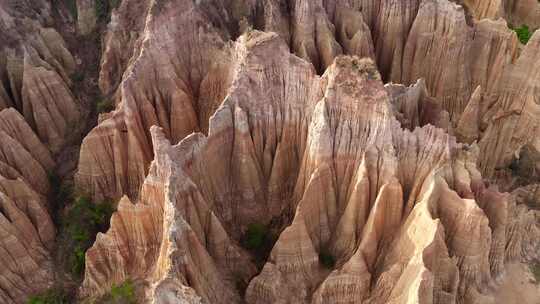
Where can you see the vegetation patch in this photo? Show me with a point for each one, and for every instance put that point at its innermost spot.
(81, 224)
(327, 259)
(258, 240)
(535, 269)
(79, 220)
(78, 76)
(104, 106)
(120, 294)
(523, 33)
(51, 296)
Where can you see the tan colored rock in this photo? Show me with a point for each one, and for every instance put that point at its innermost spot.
(313, 34)
(414, 107)
(407, 39)
(175, 88)
(35, 68)
(27, 232)
(325, 162)
(513, 120)
(14, 125)
(170, 239)
(523, 229)
(468, 129)
(519, 12)
(48, 105)
(439, 37)
(337, 164)
(394, 20)
(121, 41)
(481, 9)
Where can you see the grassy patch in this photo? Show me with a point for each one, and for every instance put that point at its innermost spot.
(327, 259)
(104, 106)
(523, 33)
(52, 296)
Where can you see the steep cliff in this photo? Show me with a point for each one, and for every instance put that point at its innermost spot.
(405, 214)
(273, 151)
(407, 40)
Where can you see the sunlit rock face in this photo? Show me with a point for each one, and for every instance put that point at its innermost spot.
(339, 165)
(461, 63)
(390, 148)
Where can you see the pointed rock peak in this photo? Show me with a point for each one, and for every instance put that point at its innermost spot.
(161, 145)
(261, 44)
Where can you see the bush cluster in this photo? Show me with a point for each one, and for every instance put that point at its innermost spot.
(120, 294)
(83, 221)
(52, 296)
(104, 106)
(523, 33)
(79, 220)
(258, 240)
(327, 259)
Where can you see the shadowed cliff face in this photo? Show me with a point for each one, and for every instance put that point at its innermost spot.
(372, 139)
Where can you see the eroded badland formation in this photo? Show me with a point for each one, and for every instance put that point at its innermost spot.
(270, 151)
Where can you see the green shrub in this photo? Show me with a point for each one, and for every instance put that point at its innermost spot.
(255, 236)
(523, 33)
(119, 294)
(326, 259)
(82, 222)
(123, 293)
(258, 240)
(79, 220)
(77, 261)
(104, 106)
(52, 296)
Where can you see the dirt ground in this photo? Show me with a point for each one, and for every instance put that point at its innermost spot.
(518, 286)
